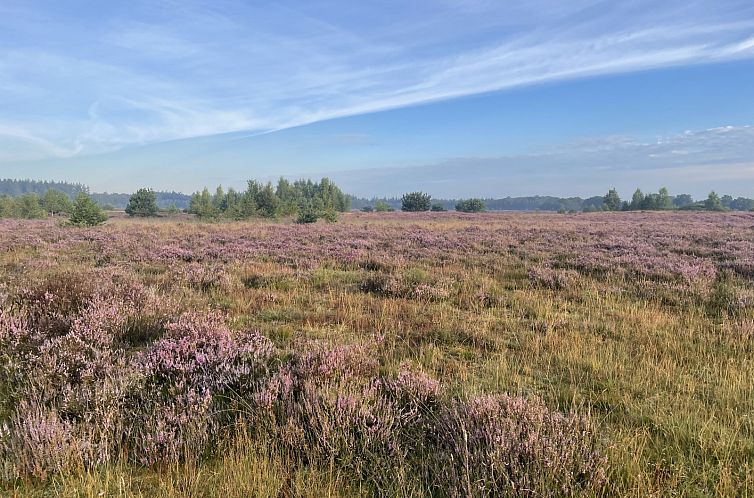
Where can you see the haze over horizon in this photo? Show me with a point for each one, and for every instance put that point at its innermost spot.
(457, 98)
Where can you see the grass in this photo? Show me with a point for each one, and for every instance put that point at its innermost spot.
(665, 368)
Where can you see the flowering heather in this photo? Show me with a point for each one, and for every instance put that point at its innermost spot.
(512, 446)
(374, 355)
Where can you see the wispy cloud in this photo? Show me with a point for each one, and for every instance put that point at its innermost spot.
(693, 161)
(168, 70)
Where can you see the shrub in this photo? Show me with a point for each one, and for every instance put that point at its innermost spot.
(330, 215)
(194, 369)
(85, 212)
(383, 207)
(143, 203)
(36, 442)
(306, 215)
(28, 206)
(470, 206)
(437, 207)
(550, 278)
(416, 201)
(512, 446)
(56, 202)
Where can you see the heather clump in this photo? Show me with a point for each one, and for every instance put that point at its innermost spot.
(513, 446)
(189, 376)
(36, 441)
(550, 278)
(77, 381)
(410, 285)
(52, 302)
(330, 405)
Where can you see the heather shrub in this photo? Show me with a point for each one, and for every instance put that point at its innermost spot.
(512, 446)
(36, 441)
(329, 405)
(189, 377)
(412, 284)
(201, 277)
(550, 278)
(79, 377)
(52, 302)
(416, 397)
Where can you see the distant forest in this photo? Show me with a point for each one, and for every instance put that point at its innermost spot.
(15, 188)
(535, 203)
(166, 200)
(575, 204)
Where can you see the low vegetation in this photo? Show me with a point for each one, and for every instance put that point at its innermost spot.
(424, 354)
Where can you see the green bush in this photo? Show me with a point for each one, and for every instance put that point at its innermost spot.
(86, 212)
(470, 206)
(143, 203)
(383, 207)
(416, 201)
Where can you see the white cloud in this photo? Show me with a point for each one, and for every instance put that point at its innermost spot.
(170, 70)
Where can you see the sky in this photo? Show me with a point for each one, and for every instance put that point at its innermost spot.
(456, 98)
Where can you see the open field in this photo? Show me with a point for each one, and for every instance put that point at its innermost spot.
(439, 354)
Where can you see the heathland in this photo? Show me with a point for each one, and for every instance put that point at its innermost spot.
(388, 354)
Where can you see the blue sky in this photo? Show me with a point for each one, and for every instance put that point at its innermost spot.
(458, 98)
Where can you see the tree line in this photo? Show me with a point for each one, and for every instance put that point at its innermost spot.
(81, 211)
(420, 201)
(663, 201)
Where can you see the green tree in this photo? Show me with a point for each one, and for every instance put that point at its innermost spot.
(56, 202)
(219, 200)
(306, 213)
(470, 206)
(713, 202)
(267, 202)
(249, 199)
(664, 201)
(383, 207)
(611, 201)
(233, 205)
(86, 212)
(289, 197)
(28, 206)
(201, 205)
(682, 200)
(143, 203)
(416, 201)
(742, 204)
(7, 207)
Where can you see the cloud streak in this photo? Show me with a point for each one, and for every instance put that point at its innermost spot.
(166, 70)
(693, 161)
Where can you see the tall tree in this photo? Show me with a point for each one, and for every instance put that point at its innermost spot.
(637, 200)
(612, 200)
(713, 202)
